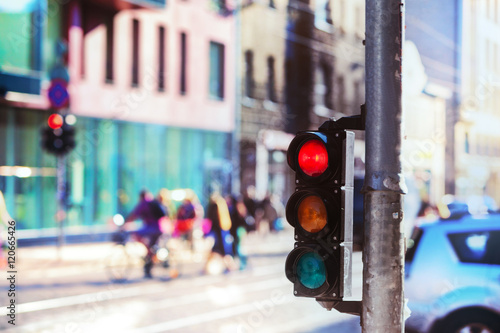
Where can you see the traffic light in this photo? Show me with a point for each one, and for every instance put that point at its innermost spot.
(58, 137)
(320, 210)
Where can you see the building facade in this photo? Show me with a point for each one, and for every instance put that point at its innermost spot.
(436, 30)
(478, 139)
(302, 63)
(263, 138)
(154, 99)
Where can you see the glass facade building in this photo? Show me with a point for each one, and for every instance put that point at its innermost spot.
(112, 162)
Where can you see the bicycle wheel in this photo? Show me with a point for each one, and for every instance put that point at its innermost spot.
(167, 263)
(118, 264)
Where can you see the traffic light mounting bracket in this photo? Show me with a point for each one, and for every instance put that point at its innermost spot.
(350, 307)
(356, 122)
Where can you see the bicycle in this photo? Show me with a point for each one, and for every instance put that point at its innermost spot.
(127, 257)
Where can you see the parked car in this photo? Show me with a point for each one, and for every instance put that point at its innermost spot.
(452, 276)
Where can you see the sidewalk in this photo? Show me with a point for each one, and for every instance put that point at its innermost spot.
(50, 256)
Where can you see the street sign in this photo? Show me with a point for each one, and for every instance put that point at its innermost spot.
(58, 94)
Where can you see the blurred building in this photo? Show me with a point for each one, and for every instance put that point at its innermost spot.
(338, 60)
(478, 138)
(459, 43)
(435, 27)
(262, 57)
(151, 85)
(424, 120)
(302, 63)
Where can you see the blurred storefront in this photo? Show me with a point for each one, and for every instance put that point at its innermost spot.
(151, 111)
(107, 169)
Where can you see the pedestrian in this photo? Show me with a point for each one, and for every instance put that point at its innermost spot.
(150, 212)
(166, 224)
(269, 212)
(186, 215)
(220, 259)
(238, 212)
(251, 207)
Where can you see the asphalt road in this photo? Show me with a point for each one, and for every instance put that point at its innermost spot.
(69, 291)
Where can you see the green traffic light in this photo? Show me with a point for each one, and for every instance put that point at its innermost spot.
(311, 270)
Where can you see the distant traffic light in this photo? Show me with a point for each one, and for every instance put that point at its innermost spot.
(55, 121)
(58, 137)
(320, 210)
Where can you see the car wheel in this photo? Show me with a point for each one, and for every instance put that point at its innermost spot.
(471, 322)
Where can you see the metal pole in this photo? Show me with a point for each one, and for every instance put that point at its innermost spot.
(236, 137)
(61, 202)
(383, 255)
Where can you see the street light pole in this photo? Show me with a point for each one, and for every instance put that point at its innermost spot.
(383, 254)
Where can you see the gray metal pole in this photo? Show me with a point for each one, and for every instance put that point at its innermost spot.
(61, 202)
(383, 255)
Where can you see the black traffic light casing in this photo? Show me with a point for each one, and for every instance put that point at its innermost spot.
(58, 141)
(320, 210)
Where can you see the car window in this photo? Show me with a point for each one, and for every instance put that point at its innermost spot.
(481, 247)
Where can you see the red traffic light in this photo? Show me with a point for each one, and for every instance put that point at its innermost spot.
(313, 158)
(55, 121)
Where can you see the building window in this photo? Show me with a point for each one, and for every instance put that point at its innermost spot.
(319, 87)
(323, 15)
(323, 90)
(161, 58)
(322, 95)
(340, 94)
(135, 53)
(183, 83)
(327, 72)
(216, 76)
(271, 80)
(249, 84)
(109, 22)
(21, 28)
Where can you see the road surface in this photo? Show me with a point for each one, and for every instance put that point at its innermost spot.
(69, 291)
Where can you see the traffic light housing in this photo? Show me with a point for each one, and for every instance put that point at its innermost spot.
(58, 137)
(320, 210)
